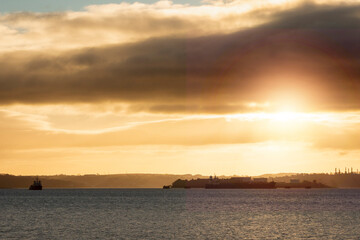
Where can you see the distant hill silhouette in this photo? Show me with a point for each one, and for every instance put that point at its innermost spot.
(273, 175)
(95, 181)
(337, 180)
(159, 180)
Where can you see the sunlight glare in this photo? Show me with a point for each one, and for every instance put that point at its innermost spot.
(284, 116)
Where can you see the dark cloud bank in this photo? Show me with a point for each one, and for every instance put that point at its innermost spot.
(311, 52)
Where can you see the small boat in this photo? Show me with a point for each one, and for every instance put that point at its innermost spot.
(36, 185)
(166, 187)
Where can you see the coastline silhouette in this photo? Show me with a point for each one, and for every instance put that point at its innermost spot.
(336, 179)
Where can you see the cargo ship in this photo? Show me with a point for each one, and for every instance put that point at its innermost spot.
(249, 185)
(36, 185)
(226, 183)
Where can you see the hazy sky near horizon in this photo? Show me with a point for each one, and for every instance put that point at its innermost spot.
(225, 87)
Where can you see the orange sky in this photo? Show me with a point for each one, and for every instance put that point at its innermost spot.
(236, 88)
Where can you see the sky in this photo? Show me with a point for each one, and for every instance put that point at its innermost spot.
(200, 87)
(67, 5)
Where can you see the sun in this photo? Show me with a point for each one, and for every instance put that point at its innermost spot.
(285, 116)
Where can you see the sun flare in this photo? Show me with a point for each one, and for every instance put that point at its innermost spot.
(285, 116)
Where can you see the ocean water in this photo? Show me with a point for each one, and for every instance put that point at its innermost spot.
(180, 214)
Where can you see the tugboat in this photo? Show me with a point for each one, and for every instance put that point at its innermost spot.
(36, 185)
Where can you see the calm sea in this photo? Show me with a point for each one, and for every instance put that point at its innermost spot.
(180, 214)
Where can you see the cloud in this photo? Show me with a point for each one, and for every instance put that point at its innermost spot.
(119, 23)
(71, 128)
(308, 55)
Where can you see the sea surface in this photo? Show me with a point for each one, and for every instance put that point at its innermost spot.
(180, 214)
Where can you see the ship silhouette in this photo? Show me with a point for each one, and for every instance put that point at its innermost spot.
(36, 185)
(234, 182)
